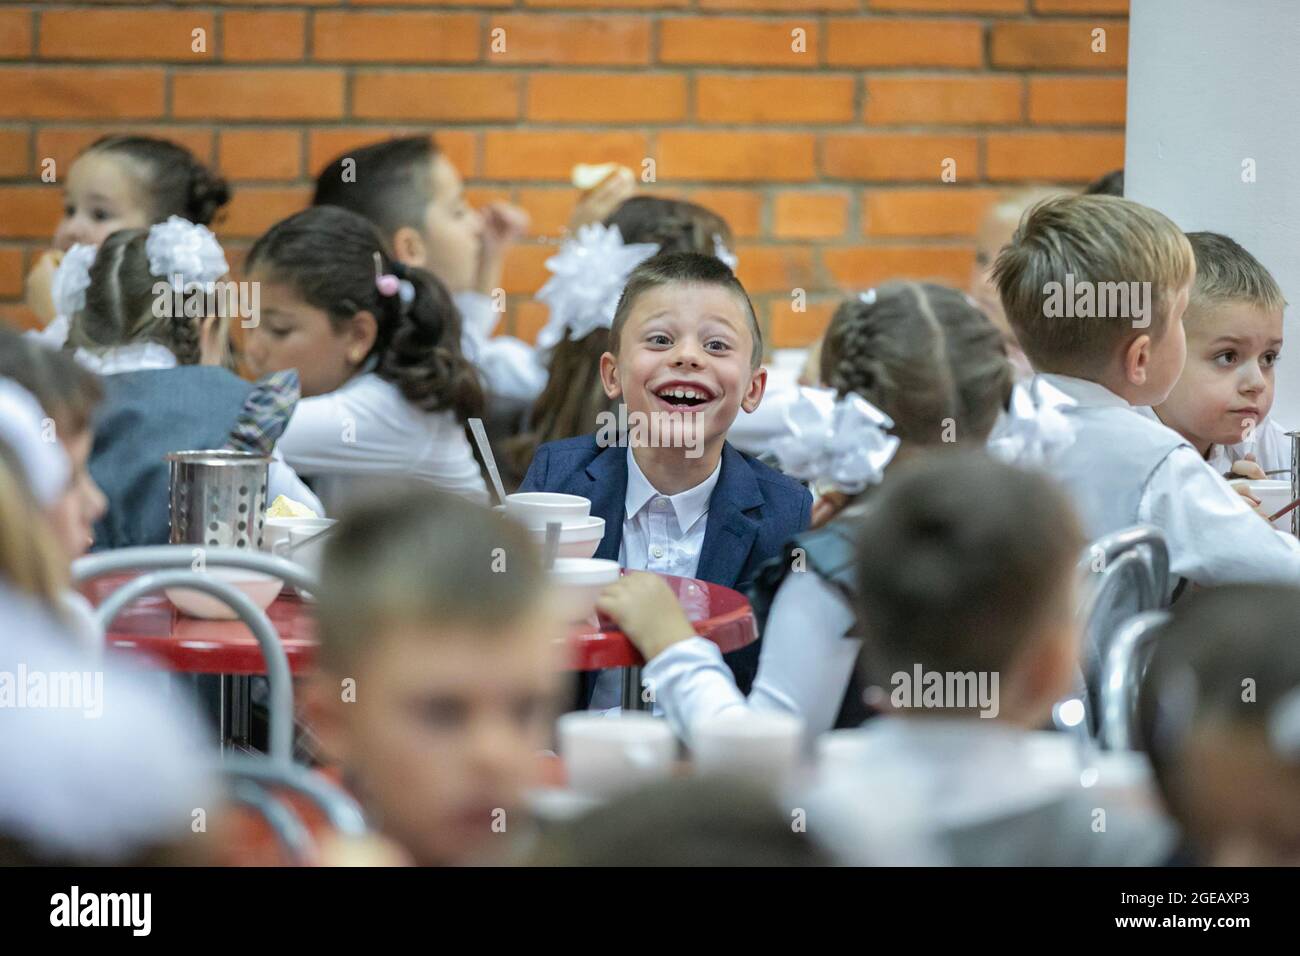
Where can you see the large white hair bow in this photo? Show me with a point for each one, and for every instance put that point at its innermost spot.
(1033, 429)
(843, 443)
(72, 279)
(720, 251)
(590, 271)
(23, 429)
(181, 252)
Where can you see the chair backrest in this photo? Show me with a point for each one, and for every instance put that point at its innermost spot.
(172, 566)
(254, 782)
(1127, 655)
(1124, 574)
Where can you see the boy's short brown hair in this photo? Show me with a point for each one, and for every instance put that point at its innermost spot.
(1098, 240)
(1226, 272)
(423, 556)
(692, 267)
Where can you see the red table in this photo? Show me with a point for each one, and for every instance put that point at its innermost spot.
(153, 628)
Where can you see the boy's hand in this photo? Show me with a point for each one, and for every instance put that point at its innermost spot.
(1248, 468)
(597, 203)
(503, 226)
(39, 284)
(646, 610)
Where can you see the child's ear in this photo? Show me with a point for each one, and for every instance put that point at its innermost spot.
(757, 386)
(609, 375)
(362, 332)
(1137, 359)
(409, 247)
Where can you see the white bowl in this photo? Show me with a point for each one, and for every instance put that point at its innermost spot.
(534, 509)
(275, 530)
(764, 747)
(262, 589)
(1273, 495)
(578, 540)
(580, 581)
(603, 755)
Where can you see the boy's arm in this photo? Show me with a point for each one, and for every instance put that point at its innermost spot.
(1213, 535)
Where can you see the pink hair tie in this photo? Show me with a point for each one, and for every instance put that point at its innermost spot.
(385, 282)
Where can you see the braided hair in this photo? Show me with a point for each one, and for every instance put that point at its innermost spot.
(327, 255)
(925, 356)
(121, 303)
(175, 182)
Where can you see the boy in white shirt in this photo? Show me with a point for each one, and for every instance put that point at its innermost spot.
(1095, 288)
(1234, 335)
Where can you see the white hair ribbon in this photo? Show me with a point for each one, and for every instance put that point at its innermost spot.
(72, 279)
(844, 443)
(23, 429)
(181, 252)
(1033, 429)
(589, 273)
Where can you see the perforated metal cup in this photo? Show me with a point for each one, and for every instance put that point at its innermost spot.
(218, 498)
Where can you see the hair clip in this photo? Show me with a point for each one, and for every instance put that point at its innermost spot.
(868, 297)
(387, 283)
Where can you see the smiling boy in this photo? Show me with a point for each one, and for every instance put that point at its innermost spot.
(685, 348)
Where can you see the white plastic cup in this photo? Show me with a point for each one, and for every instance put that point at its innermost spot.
(535, 509)
(763, 747)
(606, 755)
(1273, 495)
(580, 582)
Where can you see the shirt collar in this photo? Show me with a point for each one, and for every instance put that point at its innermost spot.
(1083, 391)
(133, 357)
(689, 505)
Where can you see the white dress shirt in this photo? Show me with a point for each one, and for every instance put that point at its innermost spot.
(508, 367)
(1213, 535)
(367, 429)
(663, 533)
(925, 790)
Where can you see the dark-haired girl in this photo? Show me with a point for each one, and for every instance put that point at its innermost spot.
(931, 361)
(121, 182)
(386, 390)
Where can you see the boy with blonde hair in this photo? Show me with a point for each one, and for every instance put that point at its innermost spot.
(1234, 336)
(1095, 288)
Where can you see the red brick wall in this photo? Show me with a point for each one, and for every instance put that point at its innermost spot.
(826, 162)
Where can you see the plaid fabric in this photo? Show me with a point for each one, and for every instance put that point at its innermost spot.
(266, 413)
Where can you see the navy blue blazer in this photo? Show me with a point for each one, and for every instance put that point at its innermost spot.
(753, 512)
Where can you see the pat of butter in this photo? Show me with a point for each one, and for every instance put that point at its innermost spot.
(285, 507)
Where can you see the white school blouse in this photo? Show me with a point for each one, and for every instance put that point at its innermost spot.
(804, 666)
(508, 367)
(1213, 535)
(367, 429)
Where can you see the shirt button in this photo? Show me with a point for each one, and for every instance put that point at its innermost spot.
(661, 504)
(657, 552)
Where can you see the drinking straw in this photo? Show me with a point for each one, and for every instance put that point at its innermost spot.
(484, 449)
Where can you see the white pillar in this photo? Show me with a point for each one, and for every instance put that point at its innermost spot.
(1214, 87)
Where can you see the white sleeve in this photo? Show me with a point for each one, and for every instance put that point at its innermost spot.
(283, 480)
(368, 428)
(804, 667)
(509, 368)
(1213, 535)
